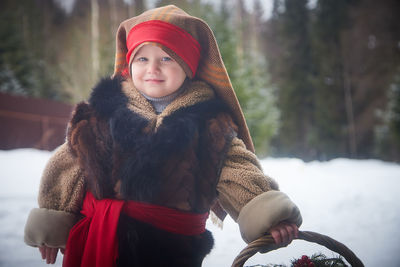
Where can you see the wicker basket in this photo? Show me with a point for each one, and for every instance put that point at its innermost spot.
(266, 243)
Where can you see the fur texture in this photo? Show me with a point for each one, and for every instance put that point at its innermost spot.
(136, 156)
(107, 96)
(145, 154)
(176, 165)
(90, 142)
(143, 245)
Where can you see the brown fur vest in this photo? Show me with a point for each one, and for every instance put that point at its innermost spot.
(176, 165)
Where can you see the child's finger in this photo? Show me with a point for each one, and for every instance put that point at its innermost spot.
(276, 235)
(291, 232)
(54, 253)
(280, 234)
(296, 230)
(51, 255)
(42, 252)
(284, 234)
(48, 252)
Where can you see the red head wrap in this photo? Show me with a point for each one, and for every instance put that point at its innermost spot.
(168, 35)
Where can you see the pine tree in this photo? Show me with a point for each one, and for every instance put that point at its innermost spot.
(251, 79)
(387, 134)
(246, 68)
(292, 66)
(26, 48)
(14, 77)
(330, 121)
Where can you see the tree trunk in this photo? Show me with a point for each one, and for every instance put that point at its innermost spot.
(113, 16)
(350, 115)
(95, 40)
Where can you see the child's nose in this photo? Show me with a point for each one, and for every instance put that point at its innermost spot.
(153, 67)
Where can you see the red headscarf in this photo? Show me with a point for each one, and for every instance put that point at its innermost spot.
(168, 35)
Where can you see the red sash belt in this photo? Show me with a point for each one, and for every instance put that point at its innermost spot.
(92, 242)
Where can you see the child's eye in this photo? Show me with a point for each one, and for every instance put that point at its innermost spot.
(141, 59)
(166, 59)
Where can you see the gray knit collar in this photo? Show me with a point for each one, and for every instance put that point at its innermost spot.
(160, 103)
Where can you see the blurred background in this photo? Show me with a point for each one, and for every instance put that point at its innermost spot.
(316, 79)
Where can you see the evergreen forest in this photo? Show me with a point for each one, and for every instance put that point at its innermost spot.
(316, 79)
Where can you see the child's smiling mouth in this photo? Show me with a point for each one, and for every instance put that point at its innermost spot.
(152, 80)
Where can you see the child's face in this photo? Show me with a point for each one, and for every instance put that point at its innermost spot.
(155, 73)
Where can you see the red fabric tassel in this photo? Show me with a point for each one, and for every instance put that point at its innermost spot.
(92, 242)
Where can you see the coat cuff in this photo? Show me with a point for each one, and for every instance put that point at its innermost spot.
(265, 211)
(48, 227)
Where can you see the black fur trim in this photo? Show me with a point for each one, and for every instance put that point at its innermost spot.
(81, 112)
(143, 152)
(141, 244)
(107, 96)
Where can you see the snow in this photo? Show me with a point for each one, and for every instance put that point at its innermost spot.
(356, 202)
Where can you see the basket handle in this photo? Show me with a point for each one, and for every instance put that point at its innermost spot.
(266, 243)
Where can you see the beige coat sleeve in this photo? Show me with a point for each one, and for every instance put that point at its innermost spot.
(241, 179)
(250, 197)
(60, 198)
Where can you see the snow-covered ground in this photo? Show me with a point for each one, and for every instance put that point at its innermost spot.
(356, 202)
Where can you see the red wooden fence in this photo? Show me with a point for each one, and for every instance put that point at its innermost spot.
(32, 123)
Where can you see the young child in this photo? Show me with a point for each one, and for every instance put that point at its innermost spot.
(156, 147)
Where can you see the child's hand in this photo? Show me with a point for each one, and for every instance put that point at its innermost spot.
(49, 254)
(284, 233)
